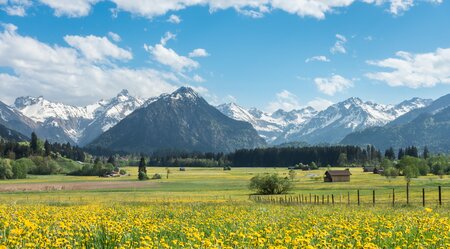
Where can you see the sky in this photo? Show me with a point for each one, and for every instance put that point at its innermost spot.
(267, 54)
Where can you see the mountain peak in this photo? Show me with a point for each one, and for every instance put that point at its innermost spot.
(22, 102)
(184, 92)
(124, 92)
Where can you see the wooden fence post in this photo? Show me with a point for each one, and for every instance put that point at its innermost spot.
(423, 197)
(358, 197)
(393, 197)
(407, 193)
(332, 199)
(440, 196)
(373, 198)
(323, 199)
(348, 198)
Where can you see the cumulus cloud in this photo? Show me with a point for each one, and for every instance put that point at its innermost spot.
(339, 45)
(15, 7)
(252, 8)
(332, 85)
(321, 58)
(320, 104)
(199, 52)
(174, 19)
(284, 100)
(64, 74)
(70, 8)
(115, 37)
(170, 58)
(197, 78)
(414, 70)
(96, 48)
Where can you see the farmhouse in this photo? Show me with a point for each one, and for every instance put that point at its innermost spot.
(369, 169)
(337, 176)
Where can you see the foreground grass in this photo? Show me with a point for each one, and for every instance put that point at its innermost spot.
(219, 224)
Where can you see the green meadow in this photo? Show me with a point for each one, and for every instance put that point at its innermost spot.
(217, 184)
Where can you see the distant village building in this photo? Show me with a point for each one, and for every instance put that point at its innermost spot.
(374, 170)
(337, 176)
(369, 169)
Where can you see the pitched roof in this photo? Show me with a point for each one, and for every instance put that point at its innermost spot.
(338, 172)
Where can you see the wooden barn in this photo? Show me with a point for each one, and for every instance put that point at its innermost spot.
(337, 176)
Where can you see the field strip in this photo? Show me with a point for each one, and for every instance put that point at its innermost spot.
(20, 187)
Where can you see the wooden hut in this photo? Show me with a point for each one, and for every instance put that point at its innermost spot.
(337, 176)
(369, 169)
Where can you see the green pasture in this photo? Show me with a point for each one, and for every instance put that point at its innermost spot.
(217, 184)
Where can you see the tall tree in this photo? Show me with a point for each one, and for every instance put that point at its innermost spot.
(47, 148)
(34, 143)
(426, 153)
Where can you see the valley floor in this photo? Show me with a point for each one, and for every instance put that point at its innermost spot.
(211, 208)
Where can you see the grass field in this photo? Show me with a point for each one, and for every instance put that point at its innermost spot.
(210, 208)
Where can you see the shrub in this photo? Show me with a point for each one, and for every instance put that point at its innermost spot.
(227, 168)
(142, 176)
(122, 172)
(20, 167)
(156, 176)
(5, 169)
(44, 166)
(270, 184)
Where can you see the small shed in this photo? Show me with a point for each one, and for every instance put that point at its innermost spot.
(337, 176)
(378, 171)
(369, 169)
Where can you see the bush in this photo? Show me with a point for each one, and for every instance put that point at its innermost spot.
(156, 176)
(5, 169)
(122, 172)
(21, 167)
(270, 184)
(44, 166)
(227, 168)
(142, 176)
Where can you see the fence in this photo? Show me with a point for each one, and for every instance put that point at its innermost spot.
(424, 197)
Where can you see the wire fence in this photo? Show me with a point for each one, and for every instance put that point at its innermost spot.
(426, 197)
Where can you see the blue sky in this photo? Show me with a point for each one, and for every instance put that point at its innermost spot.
(267, 54)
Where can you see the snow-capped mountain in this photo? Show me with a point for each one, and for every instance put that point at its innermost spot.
(13, 119)
(107, 113)
(78, 125)
(269, 126)
(334, 123)
(182, 121)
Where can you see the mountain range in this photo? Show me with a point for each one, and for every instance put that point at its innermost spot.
(429, 125)
(184, 120)
(328, 126)
(63, 123)
(181, 121)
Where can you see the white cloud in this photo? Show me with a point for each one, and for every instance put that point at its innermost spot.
(332, 85)
(167, 37)
(62, 74)
(339, 45)
(197, 78)
(16, 7)
(96, 48)
(169, 57)
(318, 58)
(199, 52)
(253, 8)
(320, 104)
(115, 37)
(415, 70)
(174, 19)
(70, 8)
(284, 100)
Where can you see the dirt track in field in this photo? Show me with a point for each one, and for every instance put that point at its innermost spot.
(67, 186)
